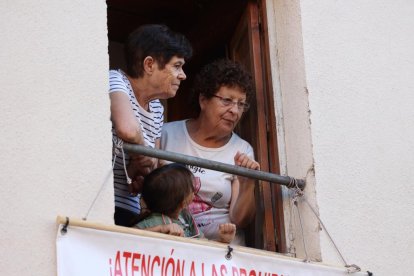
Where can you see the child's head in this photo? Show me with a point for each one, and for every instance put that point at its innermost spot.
(166, 188)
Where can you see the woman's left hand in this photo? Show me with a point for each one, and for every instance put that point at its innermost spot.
(242, 160)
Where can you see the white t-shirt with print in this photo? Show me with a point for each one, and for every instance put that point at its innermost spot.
(210, 207)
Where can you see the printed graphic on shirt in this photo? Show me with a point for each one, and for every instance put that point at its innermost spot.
(216, 196)
(198, 205)
(195, 169)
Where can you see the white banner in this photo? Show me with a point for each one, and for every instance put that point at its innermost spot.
(87, 251)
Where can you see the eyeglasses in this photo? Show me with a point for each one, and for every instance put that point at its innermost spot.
(229, 102)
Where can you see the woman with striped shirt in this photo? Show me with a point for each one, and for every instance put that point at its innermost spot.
(154, 56)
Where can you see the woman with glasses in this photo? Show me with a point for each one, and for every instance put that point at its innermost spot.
(222, 89)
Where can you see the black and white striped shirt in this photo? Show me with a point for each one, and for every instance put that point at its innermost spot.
(151, 124)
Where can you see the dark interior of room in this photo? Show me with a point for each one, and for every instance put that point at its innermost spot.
(208, 24)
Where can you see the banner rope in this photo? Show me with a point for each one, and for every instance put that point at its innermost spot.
(295, 203)
(117, 149)
(298, 193)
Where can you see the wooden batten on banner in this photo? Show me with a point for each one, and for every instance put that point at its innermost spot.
(134, 231)
(89, 248)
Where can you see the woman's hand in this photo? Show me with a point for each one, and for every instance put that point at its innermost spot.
(141, 165)
(242, 160)
(227, 232)
(138, 167)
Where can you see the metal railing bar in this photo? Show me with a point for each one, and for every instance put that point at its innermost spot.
(287, 181)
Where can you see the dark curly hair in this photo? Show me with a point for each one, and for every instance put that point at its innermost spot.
(157, 41)
(221, 73)
(165, 188)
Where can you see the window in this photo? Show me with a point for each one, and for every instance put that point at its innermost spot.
(219, 29)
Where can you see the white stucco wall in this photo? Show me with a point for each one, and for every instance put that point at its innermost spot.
(350, 63)
(55, 138)
(358, 70)
(293, 124)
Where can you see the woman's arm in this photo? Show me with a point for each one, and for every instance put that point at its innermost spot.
(242, 205)
(128, 129)
(124, 120)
